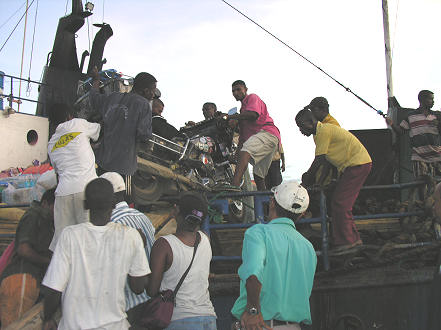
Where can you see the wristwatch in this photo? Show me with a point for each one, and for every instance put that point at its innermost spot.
(253, 311)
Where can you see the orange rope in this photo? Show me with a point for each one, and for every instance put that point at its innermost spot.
(22, 53)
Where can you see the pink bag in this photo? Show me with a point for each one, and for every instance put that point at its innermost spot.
(6, 257)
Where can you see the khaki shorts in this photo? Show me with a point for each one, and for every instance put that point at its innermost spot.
(261, 146)
(68, 210)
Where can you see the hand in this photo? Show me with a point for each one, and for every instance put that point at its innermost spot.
(50, 325)
(283, 166)
(253, 322)
(95, 74)
(305, 179)
(389, 121)
(190, 123)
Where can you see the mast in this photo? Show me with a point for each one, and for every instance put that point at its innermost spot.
(388, 54)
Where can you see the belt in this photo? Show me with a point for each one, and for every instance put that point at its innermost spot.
(277, 322)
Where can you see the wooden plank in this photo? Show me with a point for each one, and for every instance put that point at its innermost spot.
(159, 170)
(32, 319)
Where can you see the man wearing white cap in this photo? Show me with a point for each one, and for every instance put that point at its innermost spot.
(278, 266)
(133, 218)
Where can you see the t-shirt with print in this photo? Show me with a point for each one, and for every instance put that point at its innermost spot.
(90, 267)
(127, 119)
(342, 148)
(252, 102)
(72, 156)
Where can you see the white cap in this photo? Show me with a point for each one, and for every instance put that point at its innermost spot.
(291, 196)
(116, 180)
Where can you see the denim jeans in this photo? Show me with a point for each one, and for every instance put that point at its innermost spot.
(194, 323)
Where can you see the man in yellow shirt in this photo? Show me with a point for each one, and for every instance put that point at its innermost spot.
(343, 150)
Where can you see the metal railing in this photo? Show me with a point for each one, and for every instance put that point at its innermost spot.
(261, 197)
(10, 97)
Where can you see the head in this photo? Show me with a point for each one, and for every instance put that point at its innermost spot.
(239, 90)
(192, 210)
(157, 107)
(144, 84)
(306, 122)
(118, 184)
(99, 201)
(208, 110)
(319, 107)
(60, 113)
(290, 200)
(426, 99)
(48, 200)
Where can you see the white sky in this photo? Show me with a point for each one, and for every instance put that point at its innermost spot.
(196, 49)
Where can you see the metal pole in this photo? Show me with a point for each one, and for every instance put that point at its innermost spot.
(388, 53)
(2, 77)
(324, 218)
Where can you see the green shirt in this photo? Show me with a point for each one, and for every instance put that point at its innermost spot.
(36, 227)
(284, 263)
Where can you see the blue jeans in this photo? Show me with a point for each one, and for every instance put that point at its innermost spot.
(194, 323)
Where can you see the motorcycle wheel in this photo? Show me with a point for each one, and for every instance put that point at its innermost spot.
(146, 188)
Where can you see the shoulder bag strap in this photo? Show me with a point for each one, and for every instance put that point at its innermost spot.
(196, 244)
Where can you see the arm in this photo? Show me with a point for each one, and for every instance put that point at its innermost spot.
(397, 129)
(161, 251)
(246, 115)
(26, 251)
(308, 176)
(248, 321)
(138, 283)
(282, 157)
(144, 125)
(52, 301)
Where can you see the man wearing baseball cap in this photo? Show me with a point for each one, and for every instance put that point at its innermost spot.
(278, 266)
(130, 217)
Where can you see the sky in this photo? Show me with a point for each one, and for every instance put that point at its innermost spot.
(196, 49)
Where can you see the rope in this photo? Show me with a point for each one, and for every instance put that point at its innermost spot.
(306, 59)
(29, 89)
(10, 17)
(15, 27)
(22, 54)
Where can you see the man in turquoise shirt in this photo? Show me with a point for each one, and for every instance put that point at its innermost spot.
(278, 266)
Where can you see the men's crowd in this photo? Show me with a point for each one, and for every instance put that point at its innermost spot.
(89, 253)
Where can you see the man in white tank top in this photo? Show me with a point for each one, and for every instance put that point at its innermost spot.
(171, 255)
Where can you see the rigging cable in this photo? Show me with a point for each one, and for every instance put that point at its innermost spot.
(65, 12)
(15, 27)
(88, 33)
(306, 59)
(28, 88)
(10, 17)
(22, 54)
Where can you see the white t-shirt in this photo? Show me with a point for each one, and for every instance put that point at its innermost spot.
(90, 267)
(193, 298)
(72, 156)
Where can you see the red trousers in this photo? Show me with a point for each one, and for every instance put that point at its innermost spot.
(345, 194)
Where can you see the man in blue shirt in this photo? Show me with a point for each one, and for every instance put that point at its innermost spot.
(127, 216)
(278, 266)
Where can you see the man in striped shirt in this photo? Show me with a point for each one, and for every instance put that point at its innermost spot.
(424, 130)
(133, 218)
